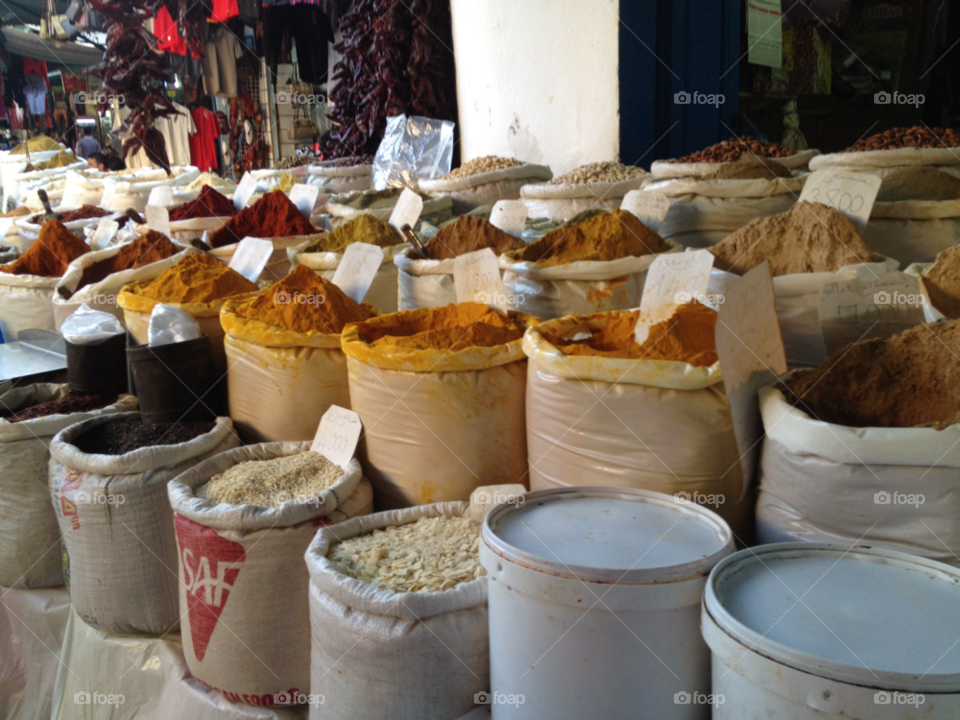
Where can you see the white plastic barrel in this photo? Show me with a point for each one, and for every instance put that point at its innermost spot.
(594, 601)
(803, 631)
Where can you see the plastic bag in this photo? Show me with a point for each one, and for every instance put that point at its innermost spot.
(90, 327)
(412, 149)
(169, 325)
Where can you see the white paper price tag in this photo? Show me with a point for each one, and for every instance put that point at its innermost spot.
(476, 277)
(244, 191)
(650, 207)
(509, 215)
(161, 195)
(851, 193)
(5, 225)
(250, 257)
(158, 218)
(357, 269)
(104, 233)
(305, 198)
(109, 190)
(337, 436)
(677, 278)
(407, 210)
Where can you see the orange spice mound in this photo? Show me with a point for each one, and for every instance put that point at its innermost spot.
(685, 337)
(304, 302)
(50, 254)
(603, 237)
(196, 279)
(451, 327)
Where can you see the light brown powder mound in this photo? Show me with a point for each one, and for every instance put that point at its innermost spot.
(908, 380)
(942, 281)
(808, 238)
(750, 167)
(469, 234)
(918, 183)
(452, 327)
(687, 337)
(271, 483)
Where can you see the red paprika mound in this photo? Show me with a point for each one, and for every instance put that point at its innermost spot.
(271, 216)
(146, 249)
(50, 253)
(209, 203)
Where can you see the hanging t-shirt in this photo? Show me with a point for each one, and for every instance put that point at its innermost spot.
(138, 159)
(203, 150)
(168, 34)
(223, 10)
(36, 92)
(176, 130)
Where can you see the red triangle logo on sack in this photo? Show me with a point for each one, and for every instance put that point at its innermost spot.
(211, 565)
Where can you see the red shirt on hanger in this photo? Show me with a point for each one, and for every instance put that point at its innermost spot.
(203, 149)
(223, 10)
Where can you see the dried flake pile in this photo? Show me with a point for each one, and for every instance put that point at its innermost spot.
(599, 172)
(270, 483)
(429, 555)
(485, 164)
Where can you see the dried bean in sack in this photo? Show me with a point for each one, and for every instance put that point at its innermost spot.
(29, 533)
(116, 522)
(412, 654)
(243, 584)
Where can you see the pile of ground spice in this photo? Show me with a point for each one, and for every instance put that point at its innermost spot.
(124, 435)
(604, 237)
(942, 282)
(196, 278)
(469, 234)
(750, 167)
(808, 238)
(271, 216)
(364, 228)
(685, 337)
(908, 380)
(452, 327)
(38, 143)
(64, 406)
(61, 159)
(146, 249)
(50, 254)
(84, 212)
(270, 483)
(209, 203)
(304, 302)
(918, 183)
(19, 211)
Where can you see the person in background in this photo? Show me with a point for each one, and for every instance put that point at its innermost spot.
(87, 145)
(97, 161)
(114, 163)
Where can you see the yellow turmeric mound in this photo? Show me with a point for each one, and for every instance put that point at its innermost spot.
(685, 337)
(604, 237)
(452, 327)
(304, 302)
(196, 279)
(365, 228)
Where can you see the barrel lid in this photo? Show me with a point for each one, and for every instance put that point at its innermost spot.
(608, 534)
(857, 615)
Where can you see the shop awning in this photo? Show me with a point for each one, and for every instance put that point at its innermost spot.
(70, 55)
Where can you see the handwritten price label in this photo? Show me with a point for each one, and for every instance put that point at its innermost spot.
(851, 193)
(244, 191)
(251, 257)
(161, 195)
(650, 207)
(357, 269)
(106, 229)
(476, 277)
(305, 198)
(509, 215)
(338, 435)
(407, 210)
(158, 218)
(676, 278)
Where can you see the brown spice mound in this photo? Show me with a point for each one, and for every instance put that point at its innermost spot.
(452, 327)
(469, 234)
(808, 238)
(146, 249)
(304, 302)
(917, 136)
(604, 237)
(124, 435)
(750, 167)
(84, 212)
(18, 211)
(908, 380)
(196, 279)
(942, 282)
(64, 406)
(730, 150)
(50, 254)
(271, 216)
(686, 337)
(918, 183)
(209, 203)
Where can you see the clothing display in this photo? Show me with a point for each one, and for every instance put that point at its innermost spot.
(203, 149)
(32, 66)
(176, 130)
(309, 27)
(168, 34)
(223, 10)
(36, 92)
(220, 63)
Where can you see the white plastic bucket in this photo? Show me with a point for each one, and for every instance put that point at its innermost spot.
(594, 598)
(803, 631)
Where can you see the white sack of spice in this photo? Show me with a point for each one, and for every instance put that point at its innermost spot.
(270, 483)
